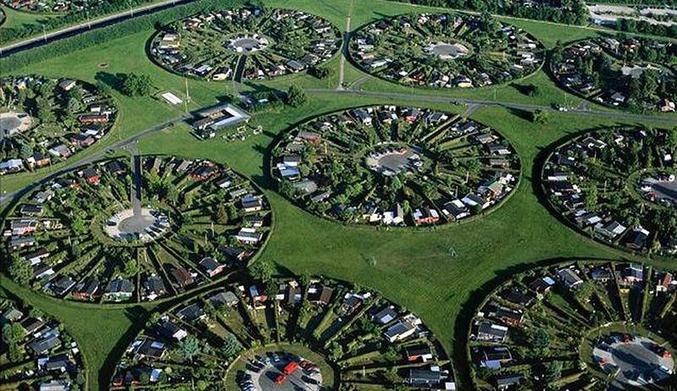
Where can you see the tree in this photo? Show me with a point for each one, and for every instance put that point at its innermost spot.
(262, 270)
(540, 116)
(296, 96)
(552, 371)
(539, 340)
(20, 271)
(136, 84)
(189, 347)
(231, 346)
(221, 214)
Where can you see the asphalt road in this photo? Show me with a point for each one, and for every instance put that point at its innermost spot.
(88, 25)
(619, 115)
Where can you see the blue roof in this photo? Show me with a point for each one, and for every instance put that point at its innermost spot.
(290, 171)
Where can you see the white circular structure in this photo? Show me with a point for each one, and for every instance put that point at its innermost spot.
(394, 161)
(448, 51)
(145, 225)
(248, 43)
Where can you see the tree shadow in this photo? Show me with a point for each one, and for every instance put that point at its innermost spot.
(520, 113)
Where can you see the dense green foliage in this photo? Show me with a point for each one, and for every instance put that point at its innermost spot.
(567, 11)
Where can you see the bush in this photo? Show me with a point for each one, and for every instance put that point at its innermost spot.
(296, 96)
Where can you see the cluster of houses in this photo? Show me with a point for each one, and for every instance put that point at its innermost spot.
(221, 45)
(37, 352)
(562, 301)
(466, 166)
(51, 6)
(322, 314)
(168, 264)
(581, 70)
(441, 50)
(586, 200)
(41, 144)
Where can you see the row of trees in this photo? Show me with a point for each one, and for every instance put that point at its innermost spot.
(565, 11)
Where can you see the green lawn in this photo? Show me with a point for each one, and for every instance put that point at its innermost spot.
(413, 268)
(18, 18)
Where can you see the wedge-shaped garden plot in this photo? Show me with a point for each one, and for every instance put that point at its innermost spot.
(577, 325)
(245, 43)
(37, 353)
(45, 121)
(445, 50)
(618, 186)
(624, 72)
(395, 166)
(135, 229)
(285, 334)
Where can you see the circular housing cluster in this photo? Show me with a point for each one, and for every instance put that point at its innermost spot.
(44, 121)
(618, 186)
(445, 50)
(245, 43)
(577, 325)
(286, 334)
(124, 230)
(625, 72)
(396, 166)
(52, 6)
(37, 353)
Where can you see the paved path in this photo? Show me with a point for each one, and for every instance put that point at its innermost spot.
(344, 48)
(88, 25)
(96, 156)
(619, 115)
(136, 183)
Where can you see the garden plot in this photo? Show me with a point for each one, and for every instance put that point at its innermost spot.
(52, 6)
(45, 121)
(245, 44)
(623, 72)
(37, 353)
(445, 50)
(213, 342)
(130, 230)
(395, 166)
(617, 185)
(555, 325)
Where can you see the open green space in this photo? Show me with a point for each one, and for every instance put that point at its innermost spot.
(433, 273)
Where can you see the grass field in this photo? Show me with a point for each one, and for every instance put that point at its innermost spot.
(412, 268)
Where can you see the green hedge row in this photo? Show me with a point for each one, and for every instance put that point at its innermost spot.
(104, 34)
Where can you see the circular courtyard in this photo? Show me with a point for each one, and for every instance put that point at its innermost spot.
(133, 230)
(144, 224)
(49, 120)
(445, 50)
(284, 334)
(632, 359)
(395, 166)
(12, 123)
(616, 185)
(245, 44)
(576, 324)
(624, 72)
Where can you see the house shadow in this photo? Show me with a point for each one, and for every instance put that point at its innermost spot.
(520, 113)
(524, 89)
